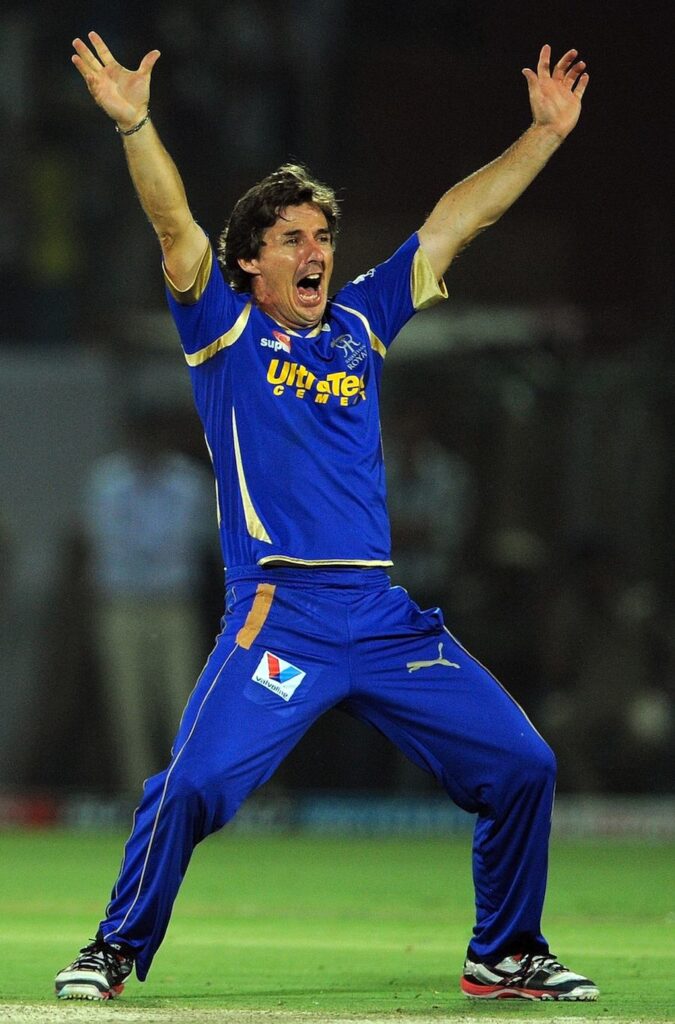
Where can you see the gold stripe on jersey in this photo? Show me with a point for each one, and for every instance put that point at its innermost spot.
(280, 561)
(375, 342)
(253, 522)
(224, 341)
(188, 296)
(215, 480)
(255, 620)
(425, 289)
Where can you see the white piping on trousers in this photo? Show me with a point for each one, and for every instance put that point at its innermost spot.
(500, 685)
(161, 802)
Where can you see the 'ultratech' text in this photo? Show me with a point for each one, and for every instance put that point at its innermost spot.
(294, 375)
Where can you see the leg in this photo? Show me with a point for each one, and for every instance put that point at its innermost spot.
(419, 687)
(234, 733)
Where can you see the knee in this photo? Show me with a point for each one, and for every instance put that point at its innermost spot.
(537, 767)
(208, 800)
(184, 790)
(527, 777)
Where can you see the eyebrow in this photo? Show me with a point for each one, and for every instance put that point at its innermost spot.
(299, 231)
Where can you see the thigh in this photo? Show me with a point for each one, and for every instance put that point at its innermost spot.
(420, 687)
(266, 681)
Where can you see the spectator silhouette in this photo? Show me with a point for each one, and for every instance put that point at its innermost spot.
(147, 519)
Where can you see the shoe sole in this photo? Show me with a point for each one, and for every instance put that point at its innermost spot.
(88, 992)
(580, 994)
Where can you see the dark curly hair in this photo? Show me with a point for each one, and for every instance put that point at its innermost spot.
(259, 208)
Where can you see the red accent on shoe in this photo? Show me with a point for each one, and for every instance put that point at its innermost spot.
(504, 992)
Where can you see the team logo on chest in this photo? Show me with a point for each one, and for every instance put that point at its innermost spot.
(354, 351)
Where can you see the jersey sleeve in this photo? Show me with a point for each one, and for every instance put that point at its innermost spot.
(390, 294)
(209, 314)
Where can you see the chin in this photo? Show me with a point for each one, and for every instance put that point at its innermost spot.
(310, 317)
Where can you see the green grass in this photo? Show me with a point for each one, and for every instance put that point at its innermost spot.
(355, 928)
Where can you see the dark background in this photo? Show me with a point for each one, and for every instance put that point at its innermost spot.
(392, 104)
(568, 429)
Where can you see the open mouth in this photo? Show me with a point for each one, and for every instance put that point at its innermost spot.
(309, 289)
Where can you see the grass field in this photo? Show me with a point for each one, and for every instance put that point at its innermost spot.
(309, 929)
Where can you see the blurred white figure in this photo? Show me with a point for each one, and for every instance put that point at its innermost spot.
(148, 522)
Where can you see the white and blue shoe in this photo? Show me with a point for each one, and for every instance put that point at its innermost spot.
(99, 972)
(526, 976)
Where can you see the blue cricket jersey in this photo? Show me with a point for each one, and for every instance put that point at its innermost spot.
(291, 418)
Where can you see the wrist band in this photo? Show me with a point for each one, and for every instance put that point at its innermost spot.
(136, 127)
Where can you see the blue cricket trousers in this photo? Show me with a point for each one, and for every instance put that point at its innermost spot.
(295, 643)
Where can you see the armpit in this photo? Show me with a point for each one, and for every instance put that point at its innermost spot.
(188, 296)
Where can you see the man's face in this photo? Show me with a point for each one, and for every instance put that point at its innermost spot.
(292, 271)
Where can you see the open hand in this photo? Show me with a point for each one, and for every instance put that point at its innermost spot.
(123, 94)
(555, 96)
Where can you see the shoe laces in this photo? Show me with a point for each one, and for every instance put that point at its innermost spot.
(532, 962)
(99, 954)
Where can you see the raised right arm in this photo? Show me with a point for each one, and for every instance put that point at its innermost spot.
(124, 95)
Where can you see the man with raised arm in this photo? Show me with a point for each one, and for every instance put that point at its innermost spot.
(286, 381)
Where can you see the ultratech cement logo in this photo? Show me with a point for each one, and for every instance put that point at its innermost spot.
(346, 387)
(278, 675)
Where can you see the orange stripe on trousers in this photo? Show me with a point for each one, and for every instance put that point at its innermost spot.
(255, 620)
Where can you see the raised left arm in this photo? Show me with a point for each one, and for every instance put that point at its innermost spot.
(482, 198)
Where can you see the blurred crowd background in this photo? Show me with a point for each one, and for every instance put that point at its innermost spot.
(529, 424)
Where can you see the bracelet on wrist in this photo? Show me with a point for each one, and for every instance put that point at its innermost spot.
(136, 127)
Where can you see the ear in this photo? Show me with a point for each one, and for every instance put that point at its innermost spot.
(250, 266)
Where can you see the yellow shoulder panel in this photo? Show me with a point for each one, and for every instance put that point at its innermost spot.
(188, 296)
(424, 288)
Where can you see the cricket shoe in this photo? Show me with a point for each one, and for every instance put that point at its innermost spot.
(526, 976)
(99, 972)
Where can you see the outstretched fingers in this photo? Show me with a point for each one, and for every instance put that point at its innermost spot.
(102, 51)
(543, 66)
(83, 59)
(149, 61)
(544, 62)
(564, 64)
(582, 83)
(569, 72)
(574, 74)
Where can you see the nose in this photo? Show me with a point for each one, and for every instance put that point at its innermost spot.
(314, 252)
